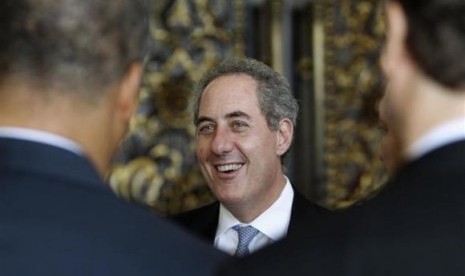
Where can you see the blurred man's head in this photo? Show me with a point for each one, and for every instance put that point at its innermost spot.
(71, 67)
(424, 64)
(435, 38)
(72, 46)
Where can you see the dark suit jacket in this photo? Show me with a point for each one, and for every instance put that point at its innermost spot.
(416, 227)
(58, 218)
(204, 220)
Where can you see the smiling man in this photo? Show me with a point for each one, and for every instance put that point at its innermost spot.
(245, 116)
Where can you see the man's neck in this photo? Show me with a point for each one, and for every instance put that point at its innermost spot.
(40, 136)
(69, 126)
(443, 134)
(432, 107)
(248, 212)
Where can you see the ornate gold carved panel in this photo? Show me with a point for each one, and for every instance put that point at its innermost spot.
(352, 36)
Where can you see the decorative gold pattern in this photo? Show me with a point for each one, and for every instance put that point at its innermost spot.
(157, 165)
(353, 35)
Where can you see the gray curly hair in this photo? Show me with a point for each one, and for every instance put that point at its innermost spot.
(275, 98)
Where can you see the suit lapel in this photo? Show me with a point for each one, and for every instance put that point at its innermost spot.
(304, 214)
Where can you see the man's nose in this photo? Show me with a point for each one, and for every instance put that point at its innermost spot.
(222, 141)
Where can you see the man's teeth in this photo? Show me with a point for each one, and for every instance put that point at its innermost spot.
(229, 167)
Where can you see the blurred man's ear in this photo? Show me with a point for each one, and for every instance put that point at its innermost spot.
(129, 91)
(395, 52)
(285, 133)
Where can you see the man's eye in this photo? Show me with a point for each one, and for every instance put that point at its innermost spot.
(239, 125)
(206, 129)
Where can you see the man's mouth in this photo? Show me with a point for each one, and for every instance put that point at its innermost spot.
(228, 167)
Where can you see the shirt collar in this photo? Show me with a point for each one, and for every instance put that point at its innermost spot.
(273, 222)
(43, 137)
(439, 136)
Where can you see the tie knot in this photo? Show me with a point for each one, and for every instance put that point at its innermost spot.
(246, 235)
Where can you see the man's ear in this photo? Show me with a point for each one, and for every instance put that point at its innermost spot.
(285, 133)
(395, 52)
(129, 91)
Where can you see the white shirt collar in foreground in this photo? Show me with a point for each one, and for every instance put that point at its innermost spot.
(39, 136)
(439, 136)
(273, 223)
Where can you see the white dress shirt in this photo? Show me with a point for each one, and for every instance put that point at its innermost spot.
(272, 224)
(43, 137)
(449, 132)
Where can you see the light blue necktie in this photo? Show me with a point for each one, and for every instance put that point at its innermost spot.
(246, 235)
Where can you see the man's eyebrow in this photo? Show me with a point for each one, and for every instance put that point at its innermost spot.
(202, 119)
(236, 114)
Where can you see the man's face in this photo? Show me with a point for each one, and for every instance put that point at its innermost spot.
(399, 70)
(237, 151)
(391, 148)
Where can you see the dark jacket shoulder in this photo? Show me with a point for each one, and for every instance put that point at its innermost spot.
(202, 221)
